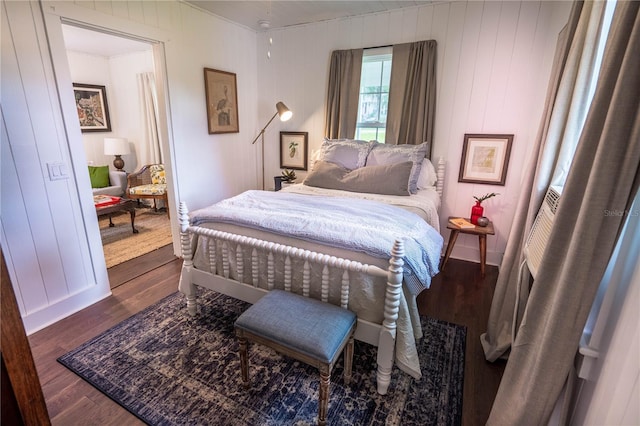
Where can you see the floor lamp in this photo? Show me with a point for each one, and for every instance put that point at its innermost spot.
(285, 114)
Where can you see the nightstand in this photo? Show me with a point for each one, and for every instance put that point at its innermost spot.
(480, 231)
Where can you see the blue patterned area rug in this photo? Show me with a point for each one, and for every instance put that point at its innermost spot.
(169, 369)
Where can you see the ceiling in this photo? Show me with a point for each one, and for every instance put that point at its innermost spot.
(264, 15)
(98, 43)
(257, 15)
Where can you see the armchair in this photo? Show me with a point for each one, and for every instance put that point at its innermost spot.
(149, 182)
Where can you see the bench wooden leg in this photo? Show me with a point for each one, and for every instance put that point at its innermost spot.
(244, 362)
(348, 360)
(323, 401)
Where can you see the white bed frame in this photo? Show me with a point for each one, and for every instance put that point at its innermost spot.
(381, 335)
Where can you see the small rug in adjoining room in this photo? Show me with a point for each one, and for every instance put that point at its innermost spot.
(168, 368)
(121, 244)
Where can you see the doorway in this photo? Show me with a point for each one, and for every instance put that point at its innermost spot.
(124, 69)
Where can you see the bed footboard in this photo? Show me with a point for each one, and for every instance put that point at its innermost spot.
(246, 288)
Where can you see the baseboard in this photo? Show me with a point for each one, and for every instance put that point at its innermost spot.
(472, 254)
(36, 321)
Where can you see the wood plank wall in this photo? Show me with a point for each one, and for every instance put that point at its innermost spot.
(493, 63)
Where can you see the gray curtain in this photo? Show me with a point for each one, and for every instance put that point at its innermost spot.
(604, 176)
(412, 94)
(573, 58)
(343, 94)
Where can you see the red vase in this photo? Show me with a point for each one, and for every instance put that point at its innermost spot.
(476, 212)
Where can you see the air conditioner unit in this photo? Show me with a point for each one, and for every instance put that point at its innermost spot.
(541, 231)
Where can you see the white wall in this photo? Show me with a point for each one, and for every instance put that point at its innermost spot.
(50, 235)
(494, 60)
(118, 75)
(128, 110)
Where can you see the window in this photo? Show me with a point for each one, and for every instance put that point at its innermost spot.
(374, 94)
(572, 135)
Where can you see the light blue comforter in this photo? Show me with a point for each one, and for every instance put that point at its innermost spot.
(366, 226)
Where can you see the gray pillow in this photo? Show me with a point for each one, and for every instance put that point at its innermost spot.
(389, 179)
(349, 153)
(382, 154)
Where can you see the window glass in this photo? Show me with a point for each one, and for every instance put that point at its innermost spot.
(374, 94)
(570, 141)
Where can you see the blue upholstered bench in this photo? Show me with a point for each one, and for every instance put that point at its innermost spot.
(308, 330)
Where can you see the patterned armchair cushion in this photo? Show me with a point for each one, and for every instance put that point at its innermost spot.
(151, 189)
(157, 174)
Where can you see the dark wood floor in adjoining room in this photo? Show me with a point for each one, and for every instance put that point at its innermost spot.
(457, 295)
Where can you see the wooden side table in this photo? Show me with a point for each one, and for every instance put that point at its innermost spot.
(480, 231)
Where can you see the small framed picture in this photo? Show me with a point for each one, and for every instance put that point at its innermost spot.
(222, 101)
(91, 104)
(293, 150)
(485, 159)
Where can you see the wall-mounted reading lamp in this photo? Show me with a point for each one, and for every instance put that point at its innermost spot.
(285, 114)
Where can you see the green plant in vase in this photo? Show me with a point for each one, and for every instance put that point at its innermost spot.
(477, 211)
(288, 176)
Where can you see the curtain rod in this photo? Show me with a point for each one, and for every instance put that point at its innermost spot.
(377, 47)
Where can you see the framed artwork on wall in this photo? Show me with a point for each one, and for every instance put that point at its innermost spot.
(293, 150)
(91, 104)
(222, 101)
(485, 159)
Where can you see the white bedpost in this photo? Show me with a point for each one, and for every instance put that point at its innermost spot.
(186, 285)
(386, 345)
(440, 174)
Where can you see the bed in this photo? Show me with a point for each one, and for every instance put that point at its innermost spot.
(311, 238)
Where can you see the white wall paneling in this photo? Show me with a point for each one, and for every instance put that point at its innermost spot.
(43, 228)
(493, 61)
(49, 229)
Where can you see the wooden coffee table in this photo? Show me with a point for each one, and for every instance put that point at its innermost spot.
(124, 205)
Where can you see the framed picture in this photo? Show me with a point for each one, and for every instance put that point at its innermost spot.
(485, 159)
(293, 150)
(222, 101)
(91, 104)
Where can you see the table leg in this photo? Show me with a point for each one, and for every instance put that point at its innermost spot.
(111, 225)
(482, 240)
(452, 241)
(133, 220)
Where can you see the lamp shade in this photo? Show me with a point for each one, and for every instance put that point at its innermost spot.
(283, 111)
(116, 146)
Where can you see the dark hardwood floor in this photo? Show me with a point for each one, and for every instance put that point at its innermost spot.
(460, 295)
(134, 268)
(457, 295)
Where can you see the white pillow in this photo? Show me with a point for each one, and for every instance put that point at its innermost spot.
(428, 176)
(349, 153)
(316, 156)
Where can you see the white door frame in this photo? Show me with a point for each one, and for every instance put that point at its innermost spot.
(55, 15)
